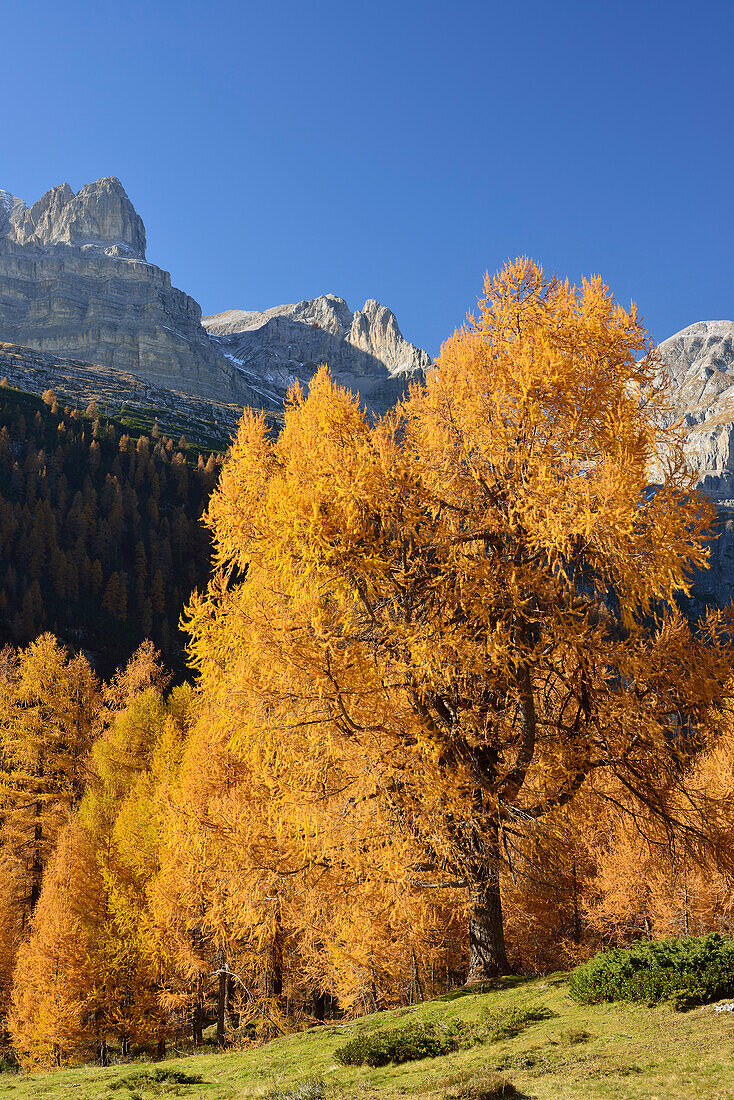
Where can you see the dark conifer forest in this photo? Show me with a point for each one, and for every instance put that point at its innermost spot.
(100, 530)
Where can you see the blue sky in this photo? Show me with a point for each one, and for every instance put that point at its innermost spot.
(392, 150)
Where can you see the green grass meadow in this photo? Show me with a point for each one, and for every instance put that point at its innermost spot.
(563, 1051)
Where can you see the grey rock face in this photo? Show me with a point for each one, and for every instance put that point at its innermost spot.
(715, 586)
(365, 350)
(700, 361)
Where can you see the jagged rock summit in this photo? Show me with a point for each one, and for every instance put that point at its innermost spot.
(365, 350)
(700, 362)
(75, 282)
(100, 216)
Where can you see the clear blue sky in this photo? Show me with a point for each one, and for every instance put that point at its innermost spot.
(392, 150)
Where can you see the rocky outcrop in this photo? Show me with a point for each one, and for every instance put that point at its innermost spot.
(365, 350)
(714, 586)
(100, 216)
(700, 361)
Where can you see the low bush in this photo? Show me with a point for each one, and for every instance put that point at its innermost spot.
(482, 1085)
(399, 1044)
(157, 1081)
(505, 1023)
(308, 1088)
(687, 971)
(571, 1036)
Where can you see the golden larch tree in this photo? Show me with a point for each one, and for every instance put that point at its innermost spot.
(427, 635)
(48, 713)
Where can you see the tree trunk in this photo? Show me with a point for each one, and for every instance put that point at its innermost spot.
(197, 1024)
(417, 984)
(222, 1003)
(318, 1004)
(103, 1055)
(276, 963)
(487, 953)
(576, 914)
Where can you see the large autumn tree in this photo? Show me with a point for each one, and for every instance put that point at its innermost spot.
(428, 634)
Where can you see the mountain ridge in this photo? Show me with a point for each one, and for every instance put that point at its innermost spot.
(288, 342)
(75, 282)
(76, 287)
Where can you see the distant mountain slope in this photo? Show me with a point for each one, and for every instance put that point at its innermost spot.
(74, 282)
(700, 361)
(209, 424)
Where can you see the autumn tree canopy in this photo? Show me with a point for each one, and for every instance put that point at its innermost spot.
(428, 634)
(444, 697)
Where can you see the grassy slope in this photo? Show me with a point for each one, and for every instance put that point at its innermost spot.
(630, 1052)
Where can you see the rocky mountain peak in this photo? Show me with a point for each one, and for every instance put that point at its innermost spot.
(329, 312)
(8, 203)
(99, 216)
(365, 350)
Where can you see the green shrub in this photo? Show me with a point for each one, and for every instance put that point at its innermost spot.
(484, 1084)
(687, 971)
(399, 1044)
(683, 999)
(308, 1088)
(157, 1081)
(505, 1023)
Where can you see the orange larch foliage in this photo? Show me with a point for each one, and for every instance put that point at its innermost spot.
(428, 635)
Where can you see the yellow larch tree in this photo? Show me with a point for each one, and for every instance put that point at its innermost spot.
(239, 924)
(427, 635)
(133, 759)
(90, 968)
(49, 1020)
(644, 881)
(49, 707)
(215, 903)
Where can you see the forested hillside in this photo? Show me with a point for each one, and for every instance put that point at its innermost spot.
(100, 529)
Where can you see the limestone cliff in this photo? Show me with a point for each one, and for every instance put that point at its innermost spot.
(74, 282)
(700, 361)
(100, 216)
